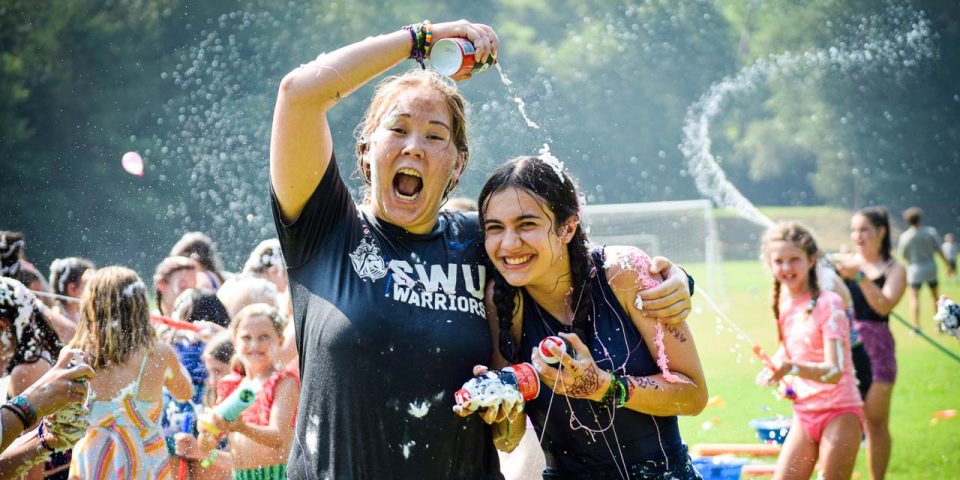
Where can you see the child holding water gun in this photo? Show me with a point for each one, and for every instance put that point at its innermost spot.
(813, 361)
(216, 359)
(259, 439)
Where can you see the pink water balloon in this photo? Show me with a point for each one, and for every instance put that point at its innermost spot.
(132, 162)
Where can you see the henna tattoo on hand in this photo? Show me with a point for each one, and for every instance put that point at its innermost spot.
(676, 332)
(585, 385)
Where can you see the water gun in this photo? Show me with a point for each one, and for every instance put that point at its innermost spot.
(765, 359)
(174, 324)
(232, 407)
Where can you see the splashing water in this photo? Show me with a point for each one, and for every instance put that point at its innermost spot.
(521, 106)
(899, 37)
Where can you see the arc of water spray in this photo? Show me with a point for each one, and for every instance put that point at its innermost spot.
(898, 48)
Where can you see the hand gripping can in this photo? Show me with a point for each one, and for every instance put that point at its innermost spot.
(560, 342)
(491, 388)
(454, 56)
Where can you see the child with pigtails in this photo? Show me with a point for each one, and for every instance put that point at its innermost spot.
(813, 363)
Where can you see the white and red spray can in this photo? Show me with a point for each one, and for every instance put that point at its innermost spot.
(454, 57)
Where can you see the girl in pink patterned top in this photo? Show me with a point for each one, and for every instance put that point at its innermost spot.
(813, 361)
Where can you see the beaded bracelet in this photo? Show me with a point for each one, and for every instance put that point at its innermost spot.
(421, 35)
(206, 462)
(623, 394)
(611, 389)
(26, 408)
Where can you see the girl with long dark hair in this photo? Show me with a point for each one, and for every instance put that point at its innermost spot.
(612, 411)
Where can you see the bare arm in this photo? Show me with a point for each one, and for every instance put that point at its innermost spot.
(177, 381)
(278, 434)
(883, 300)
(21, 378)
(653, 394)
(25, 453)
(301, 143)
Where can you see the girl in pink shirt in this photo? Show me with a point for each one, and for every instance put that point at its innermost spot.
(813, 361)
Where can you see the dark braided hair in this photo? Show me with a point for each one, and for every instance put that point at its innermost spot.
(559, 196)
(799, 236)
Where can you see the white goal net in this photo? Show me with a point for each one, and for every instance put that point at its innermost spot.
(683, 231)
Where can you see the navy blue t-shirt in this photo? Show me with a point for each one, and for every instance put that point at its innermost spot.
(389, 324)
(635, 437)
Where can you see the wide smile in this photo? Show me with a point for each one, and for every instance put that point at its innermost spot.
(407, 184)
(516, 262)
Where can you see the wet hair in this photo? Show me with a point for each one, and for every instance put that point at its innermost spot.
(254, 310)
(913, 216)
(167, 267)
(67, 271)
(32, 336)
(559, 195)
(878, 217)
(14, 264)
(198, 246)
(114, 318)
(799, 236)
(194, 305)
(388, 89)
(11, 252)
(266, 255)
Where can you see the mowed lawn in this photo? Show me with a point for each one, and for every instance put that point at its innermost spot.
(928, 380)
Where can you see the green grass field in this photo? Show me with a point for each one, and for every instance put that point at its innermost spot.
(927, 381)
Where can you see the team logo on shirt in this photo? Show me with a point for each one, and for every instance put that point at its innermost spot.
(367, 261)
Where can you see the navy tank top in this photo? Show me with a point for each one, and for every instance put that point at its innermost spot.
(635, 437)
(861, 309)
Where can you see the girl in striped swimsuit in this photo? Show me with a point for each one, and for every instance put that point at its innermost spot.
(125, 439)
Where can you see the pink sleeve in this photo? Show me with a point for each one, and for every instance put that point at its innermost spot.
(832, 316)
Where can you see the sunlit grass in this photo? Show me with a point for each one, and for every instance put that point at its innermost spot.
(928, 380)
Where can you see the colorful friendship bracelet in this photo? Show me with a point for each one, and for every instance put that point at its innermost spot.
(28, 410)
(421, 34)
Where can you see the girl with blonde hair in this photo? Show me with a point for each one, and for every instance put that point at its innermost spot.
(260, 439)
(125, 439)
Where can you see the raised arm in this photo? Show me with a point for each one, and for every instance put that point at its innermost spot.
(301, 143)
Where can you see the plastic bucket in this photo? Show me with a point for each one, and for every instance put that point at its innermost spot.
(719, 468)
(771, 430)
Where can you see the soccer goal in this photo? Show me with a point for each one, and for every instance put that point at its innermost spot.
(683, 231)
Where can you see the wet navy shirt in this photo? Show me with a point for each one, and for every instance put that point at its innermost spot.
(389, 324)
(640, 436)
